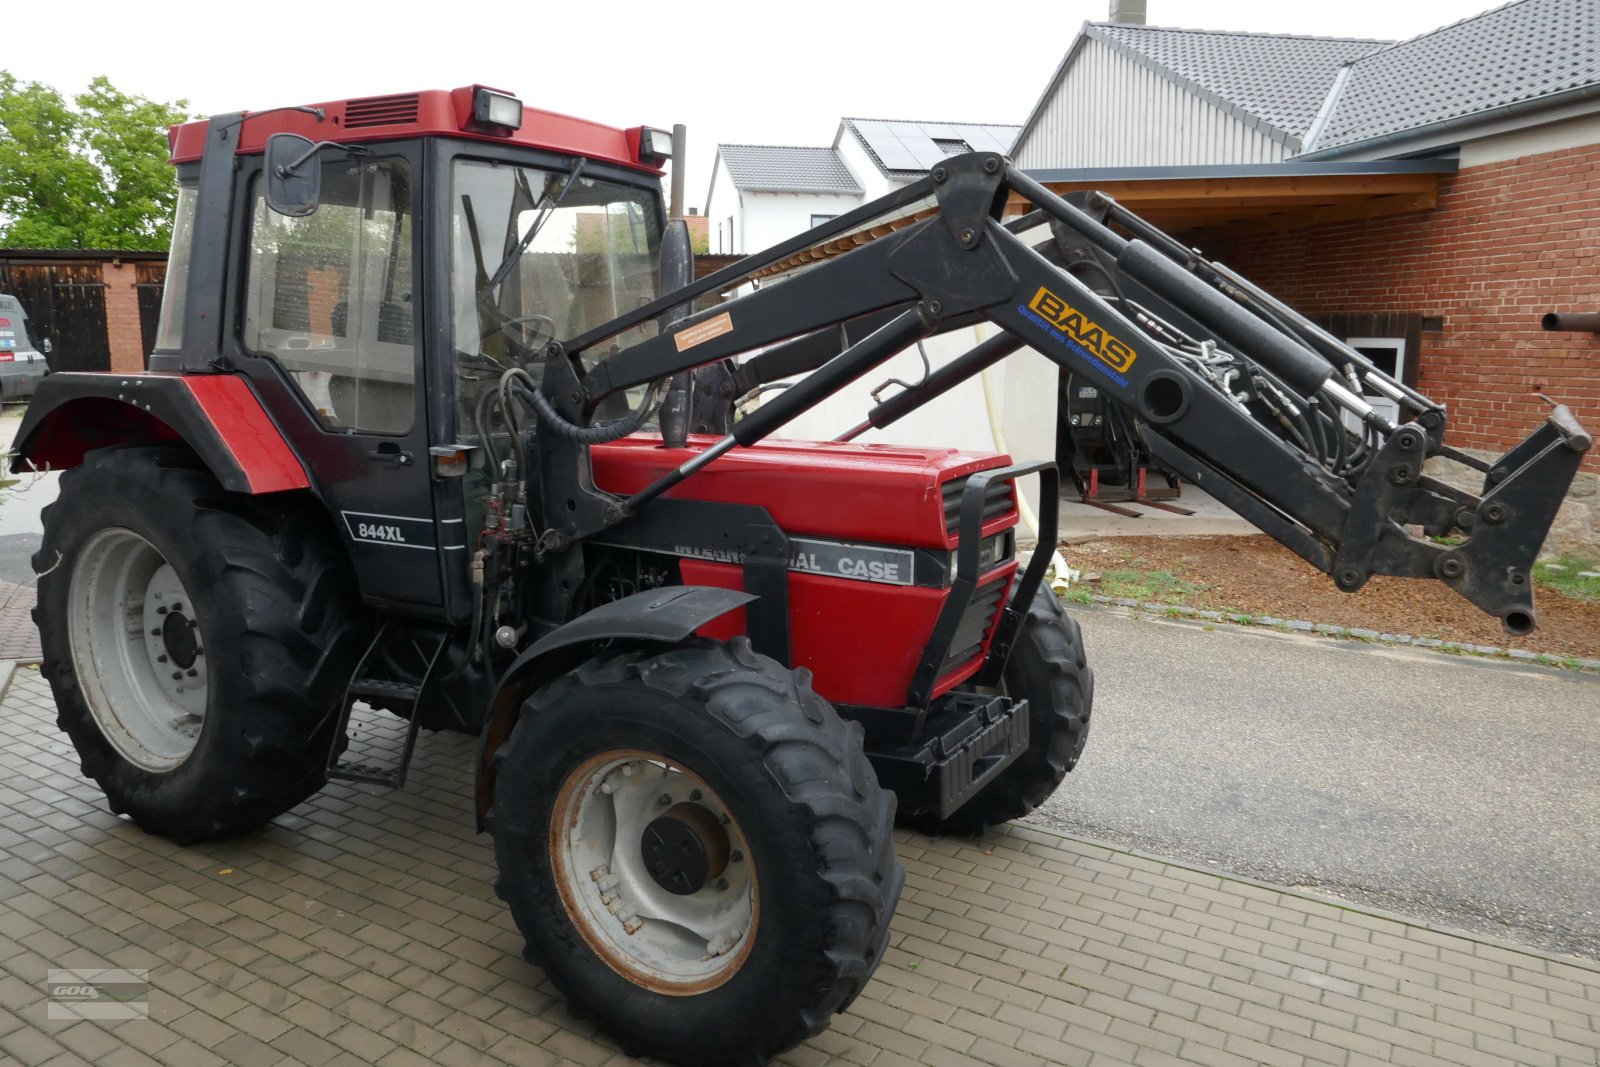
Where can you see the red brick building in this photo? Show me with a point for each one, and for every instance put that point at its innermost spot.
(1450, 276)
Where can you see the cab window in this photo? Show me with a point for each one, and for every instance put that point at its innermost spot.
(330, 297)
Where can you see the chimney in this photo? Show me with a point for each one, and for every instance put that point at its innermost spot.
(1128, 11)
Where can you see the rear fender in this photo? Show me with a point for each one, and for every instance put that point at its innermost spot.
(659, 616)
(216, 415)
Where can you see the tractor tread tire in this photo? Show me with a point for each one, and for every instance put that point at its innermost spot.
(1047, 667)
(270, 587)
(827, 789)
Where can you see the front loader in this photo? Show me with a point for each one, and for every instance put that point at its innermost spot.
(433, 423)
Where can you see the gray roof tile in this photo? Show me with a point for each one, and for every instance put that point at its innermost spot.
(910, 149)
(1280, 80)
(1516, 53)
(787, 169)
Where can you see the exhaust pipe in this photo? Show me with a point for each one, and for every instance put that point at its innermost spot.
(1572, 322)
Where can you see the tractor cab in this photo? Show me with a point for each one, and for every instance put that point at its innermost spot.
(391, 257)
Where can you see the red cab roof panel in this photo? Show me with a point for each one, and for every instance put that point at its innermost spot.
(432, 112)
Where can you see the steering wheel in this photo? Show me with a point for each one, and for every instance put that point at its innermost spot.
(544, 330)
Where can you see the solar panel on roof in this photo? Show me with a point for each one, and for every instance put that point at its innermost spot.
(921, 146)
(896, 154)
(982, 139)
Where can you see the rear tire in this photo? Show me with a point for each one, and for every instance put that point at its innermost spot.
(1049, 670)
(798, 918)
(264, 638)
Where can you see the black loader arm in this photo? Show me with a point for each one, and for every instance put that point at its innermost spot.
(1225, 384)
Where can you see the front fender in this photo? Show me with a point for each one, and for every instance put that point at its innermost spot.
(216, 415)
(662, 616)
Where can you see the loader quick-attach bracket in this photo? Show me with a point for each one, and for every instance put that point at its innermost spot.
(1226, 384)
(1493, 567)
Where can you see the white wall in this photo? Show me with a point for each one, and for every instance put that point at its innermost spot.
(1110, 111)
(722, 205)
(773, 217)
(1572, 133)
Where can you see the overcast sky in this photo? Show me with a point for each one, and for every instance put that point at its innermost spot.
(757, 73)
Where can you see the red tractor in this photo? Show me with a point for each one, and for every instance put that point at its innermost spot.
(432, 423)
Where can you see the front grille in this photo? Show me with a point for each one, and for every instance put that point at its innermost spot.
(974, 626)
(381, 111)
(997, 501)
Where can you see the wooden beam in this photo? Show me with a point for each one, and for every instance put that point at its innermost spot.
(1378, 207)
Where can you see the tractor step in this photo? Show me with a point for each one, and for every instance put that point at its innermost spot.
(367, 772)
(385, 693)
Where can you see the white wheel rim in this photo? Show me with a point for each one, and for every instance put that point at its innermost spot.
(678, 944)
(137, 650)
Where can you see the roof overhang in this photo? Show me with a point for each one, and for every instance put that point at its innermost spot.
(1258, 197)
(1198, 202)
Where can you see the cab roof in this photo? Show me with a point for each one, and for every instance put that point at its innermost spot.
(429, 113)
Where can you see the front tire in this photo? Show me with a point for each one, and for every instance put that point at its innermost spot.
(197, 642)
(1048, 669)
(779, 911)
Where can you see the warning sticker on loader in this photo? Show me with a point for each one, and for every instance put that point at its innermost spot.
(1067, 323)
(701, 332)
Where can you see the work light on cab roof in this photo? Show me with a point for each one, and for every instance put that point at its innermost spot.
(495, 109)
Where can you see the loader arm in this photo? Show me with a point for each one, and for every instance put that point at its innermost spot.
(1223, 383)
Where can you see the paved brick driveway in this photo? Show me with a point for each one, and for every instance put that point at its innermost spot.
(361, 928)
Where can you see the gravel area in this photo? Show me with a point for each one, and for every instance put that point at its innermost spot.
(1257, 576)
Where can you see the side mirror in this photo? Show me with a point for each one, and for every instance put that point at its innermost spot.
(293, 175)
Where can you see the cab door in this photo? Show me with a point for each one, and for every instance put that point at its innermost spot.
(330, 330)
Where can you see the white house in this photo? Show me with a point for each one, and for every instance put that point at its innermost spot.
(763, 194)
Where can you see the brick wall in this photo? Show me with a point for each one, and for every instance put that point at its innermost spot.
(123, 330)
(1507, 242)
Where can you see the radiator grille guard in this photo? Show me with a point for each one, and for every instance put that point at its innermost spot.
(972, 609)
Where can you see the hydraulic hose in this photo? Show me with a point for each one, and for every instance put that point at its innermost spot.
(551, 419)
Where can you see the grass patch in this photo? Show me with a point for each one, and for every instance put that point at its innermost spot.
(1148, 585)
(1562, 575)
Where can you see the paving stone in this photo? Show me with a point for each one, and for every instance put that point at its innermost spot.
(361, 929)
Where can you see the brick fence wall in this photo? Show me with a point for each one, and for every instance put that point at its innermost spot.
(1507, 242)
(123, 328)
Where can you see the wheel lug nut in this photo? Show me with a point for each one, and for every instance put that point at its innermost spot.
(695, 795)
(722, 885)
(737, 855)
(156, 632)
(161, 611)
(177, 675)
(177, 607)
(666, 798)
(192, 673)
(161, 659)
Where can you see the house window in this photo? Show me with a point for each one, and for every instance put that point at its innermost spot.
(1391, 340)
(818, 220)
(731, 248)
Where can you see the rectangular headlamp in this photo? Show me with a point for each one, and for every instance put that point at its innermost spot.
(655, 145)
(491, 108)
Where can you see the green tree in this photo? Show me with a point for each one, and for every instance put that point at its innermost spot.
(92, 174)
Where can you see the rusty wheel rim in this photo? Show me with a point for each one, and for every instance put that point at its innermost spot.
(619, 818)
